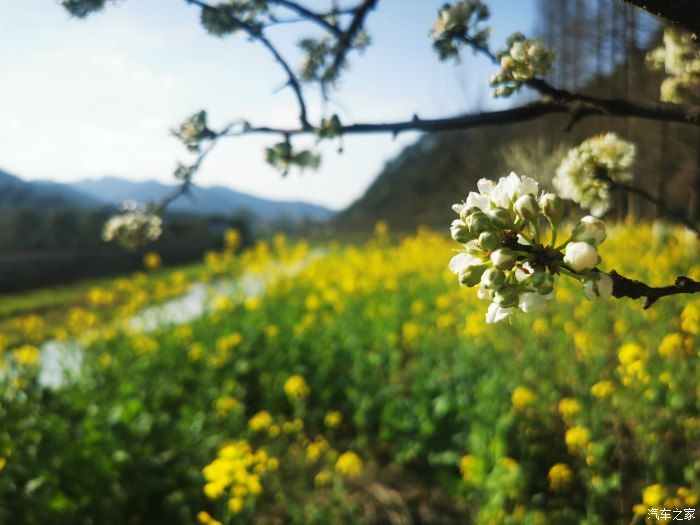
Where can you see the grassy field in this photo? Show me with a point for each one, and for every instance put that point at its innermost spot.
(361, 385)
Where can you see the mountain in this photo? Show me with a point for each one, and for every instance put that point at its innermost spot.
(201, 200)
(17, 193)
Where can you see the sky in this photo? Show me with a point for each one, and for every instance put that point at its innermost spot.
(96, 97)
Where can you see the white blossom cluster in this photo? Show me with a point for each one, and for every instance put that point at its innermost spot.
(680, 60)
(193, 131)
(581, 175)
(133, 228)
(501, 228)
(522, 60)
(458, 22)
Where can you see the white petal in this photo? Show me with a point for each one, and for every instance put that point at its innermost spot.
(484, 293)
(459, 262)
(522, 240)
(528, 185)
(495, 313)
(531, 302)
(476, 200)
(458, 207)
(485, 186)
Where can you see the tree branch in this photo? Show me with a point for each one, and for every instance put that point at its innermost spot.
(345, 41)
(669, 212)
(546, 106)
(184, 187)
(683, 13)
(622, 286)
(319, 18)
(256, 33)
(625, 287)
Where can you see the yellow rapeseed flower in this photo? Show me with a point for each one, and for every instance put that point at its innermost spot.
(577, 439)
(653, 495)
(603, 389)
(296, 388)
(569, 408)
(323, 478)
(560, 476)
(27, 355)
(690, 318)
(671, 345)
(260, 421)
(205, 519)
(333, 419)
(349, 465)
(522, 398)
(152, 261)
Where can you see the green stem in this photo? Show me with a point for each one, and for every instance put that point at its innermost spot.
(563, 245)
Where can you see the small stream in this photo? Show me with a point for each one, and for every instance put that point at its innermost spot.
(63, 359)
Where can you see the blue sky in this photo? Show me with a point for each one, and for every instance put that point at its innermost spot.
(97, 97)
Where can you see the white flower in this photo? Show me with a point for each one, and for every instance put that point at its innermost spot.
(678, 58)
(523, 60)
(510, 188)
(577, 177)
(133, 228)
(496, 313)
(531, 302)
(597, 286)
(462, 261)
(581, 256)
(502, 194)
(590, 230)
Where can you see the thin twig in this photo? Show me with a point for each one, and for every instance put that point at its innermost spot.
(256, 33)
(319, 18)
(662, 206)
(346, 40)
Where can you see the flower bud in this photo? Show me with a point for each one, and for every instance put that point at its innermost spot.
(467, 211)
(544, 284)
(507, 297)
(493, 279)
(581, 256)
(500, 218)
(478, 222)
(553, 207)
(471, 276)
(590, 230)
(526, 207)
(597, 286)
(489, 241)
(507, 62)
(503, 258)
(460, 232)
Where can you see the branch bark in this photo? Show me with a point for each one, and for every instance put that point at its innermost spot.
(683, 13)
(626, 287)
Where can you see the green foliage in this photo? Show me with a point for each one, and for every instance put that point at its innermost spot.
(283, 157)
(330, 128)
(82, 8)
